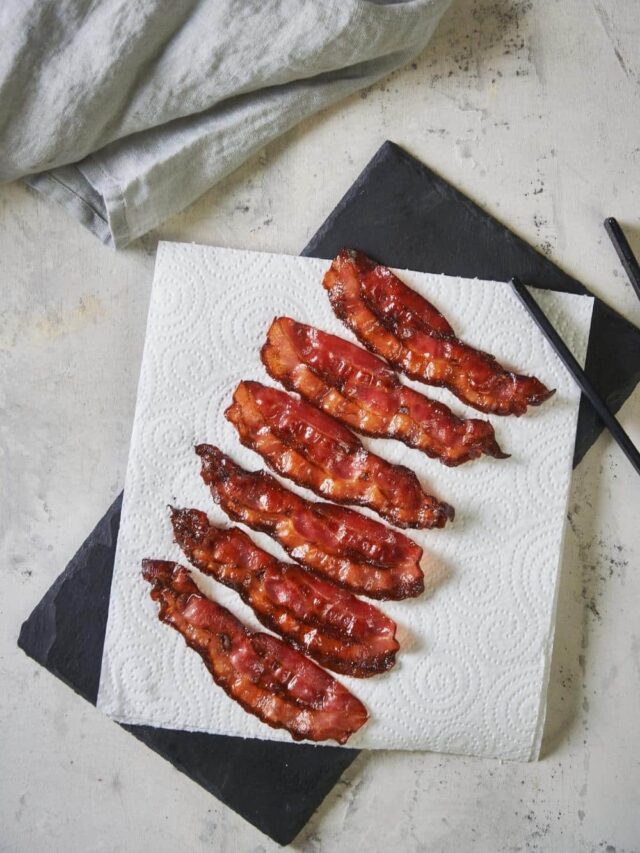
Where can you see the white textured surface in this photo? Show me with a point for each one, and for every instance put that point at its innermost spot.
(474, 655)
(511, 98)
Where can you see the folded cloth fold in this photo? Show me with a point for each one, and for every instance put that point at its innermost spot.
(125, 113)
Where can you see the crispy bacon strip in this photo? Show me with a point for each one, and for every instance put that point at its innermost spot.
(262, 673)
(398, 324)
(314, 450)
(329, 624)
(343, 545)
(361, 391)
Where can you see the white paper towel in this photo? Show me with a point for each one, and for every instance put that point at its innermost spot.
(472, 671)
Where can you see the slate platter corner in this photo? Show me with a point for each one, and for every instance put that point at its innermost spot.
(275, 786)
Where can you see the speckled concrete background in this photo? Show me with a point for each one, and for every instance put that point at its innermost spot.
(531, 108)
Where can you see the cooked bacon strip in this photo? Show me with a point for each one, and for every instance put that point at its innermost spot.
(361, 391)
(343, 545)
(314, 450)
(260, 672)
(329, 624)
(398, 324)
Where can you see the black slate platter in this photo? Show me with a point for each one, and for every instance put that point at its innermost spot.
(404, 215)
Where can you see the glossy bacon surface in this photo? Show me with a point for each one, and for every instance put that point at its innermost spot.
(398, 324)
(320, 619)
(315, 450)
(360, 390)
(343, 545)
(262, 673)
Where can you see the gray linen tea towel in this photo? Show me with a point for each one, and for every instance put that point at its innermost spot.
(125, 112)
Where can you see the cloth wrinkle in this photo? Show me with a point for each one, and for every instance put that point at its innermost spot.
(126, 113)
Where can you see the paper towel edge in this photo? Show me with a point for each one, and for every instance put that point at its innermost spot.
(536, 746)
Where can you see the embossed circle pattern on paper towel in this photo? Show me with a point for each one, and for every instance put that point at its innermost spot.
(212, 426)
(183, 296)
(533, 575)
(512, 702)
(446, 684)
(163, 434)
(186, 369)
(507, 635)
(246, 324)
(481, 584)
(459, 682)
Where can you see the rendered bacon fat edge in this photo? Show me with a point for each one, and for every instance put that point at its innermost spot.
(320, 619)
(395, 322)
(361, 391)
(348, 548)
(263, 674)
(314, 450)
